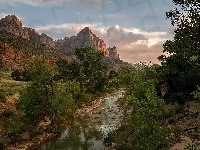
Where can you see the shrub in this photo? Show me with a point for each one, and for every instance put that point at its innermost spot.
(144, 129)
(16, 75)
(54, 100)
(7, 113)
(2, 96)
(14, 126)
(2, 144)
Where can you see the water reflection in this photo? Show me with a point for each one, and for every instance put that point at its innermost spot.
(87, 132)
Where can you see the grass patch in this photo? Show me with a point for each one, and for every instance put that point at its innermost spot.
(8, 86)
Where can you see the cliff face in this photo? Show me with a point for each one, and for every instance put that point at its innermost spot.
(12, 24)
(10, 58)
(67, 45)
(84, 38)
(18, 43)
(113, 52)
(14, 50)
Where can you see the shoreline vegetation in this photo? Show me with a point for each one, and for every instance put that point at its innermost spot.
(47, 95)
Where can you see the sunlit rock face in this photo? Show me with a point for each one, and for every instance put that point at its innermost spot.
(84, 38)
(18, 43)
(12, 24)
(113, 52)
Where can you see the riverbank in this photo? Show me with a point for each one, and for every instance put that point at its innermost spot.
(87, 129)
(44, 132)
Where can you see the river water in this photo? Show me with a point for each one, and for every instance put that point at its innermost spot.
(86, 132)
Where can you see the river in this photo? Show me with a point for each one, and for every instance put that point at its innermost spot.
(87, 131)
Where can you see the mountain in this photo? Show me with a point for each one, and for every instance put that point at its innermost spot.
(12, 24)
(85, 38)
(18, 43)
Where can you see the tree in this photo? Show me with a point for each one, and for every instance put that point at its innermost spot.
(92, 74)
(46, 97)
(180, 67)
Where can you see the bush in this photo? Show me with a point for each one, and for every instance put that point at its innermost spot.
(54, 100)
(16, 75)
(144, 128)
(2, 96)
(7, 113)
(2, 144)
(14, 126)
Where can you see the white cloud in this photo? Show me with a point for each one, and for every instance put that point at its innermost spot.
(71, 26)
(133, 45)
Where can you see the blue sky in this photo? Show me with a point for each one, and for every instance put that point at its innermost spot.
(138, 28)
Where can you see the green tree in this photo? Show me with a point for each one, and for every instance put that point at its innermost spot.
(180, 67)
(143, 129)
(92, 76)
(44, 96)
(67, 70)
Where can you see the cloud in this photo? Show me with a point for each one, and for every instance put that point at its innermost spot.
(133, 45)
(52, 2)
(75, 26)
(141, 52)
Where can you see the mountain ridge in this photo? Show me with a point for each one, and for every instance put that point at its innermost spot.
(66, 46)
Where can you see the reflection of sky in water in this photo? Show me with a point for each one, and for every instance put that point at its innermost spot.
(82, 137)
(87, 133)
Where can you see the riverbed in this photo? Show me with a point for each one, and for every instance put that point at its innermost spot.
(88, 129)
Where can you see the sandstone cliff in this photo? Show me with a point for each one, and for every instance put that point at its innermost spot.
(113, 52)
(18, 43)
(12, 24)
(14, 50)
(84, 38)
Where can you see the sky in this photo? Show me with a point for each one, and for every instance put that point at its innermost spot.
(138, 28)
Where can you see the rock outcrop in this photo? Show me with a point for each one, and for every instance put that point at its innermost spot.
(14, 50)
(18, 43)
(113, 52)
(84, 38)
(12, 24)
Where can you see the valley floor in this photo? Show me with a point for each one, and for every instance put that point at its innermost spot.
(182, 121)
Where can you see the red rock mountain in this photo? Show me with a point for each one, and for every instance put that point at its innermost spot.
(85, 38)
(18, 43)
(12, 24)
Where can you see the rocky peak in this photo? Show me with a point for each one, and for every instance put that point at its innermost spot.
(84, 38)
(11, 20)
(12, 24)
(113, 52)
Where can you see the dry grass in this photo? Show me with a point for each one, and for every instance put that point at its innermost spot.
(9, 87)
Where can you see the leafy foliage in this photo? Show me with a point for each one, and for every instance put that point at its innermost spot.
(143, 129)
(44, 96)
(180, 68)
(92, 73)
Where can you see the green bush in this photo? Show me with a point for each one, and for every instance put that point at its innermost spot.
(144, 128)
(7, 113)
(54, 100)
(14, 126)
(16, 75)
(2, 96)
(2, 144)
